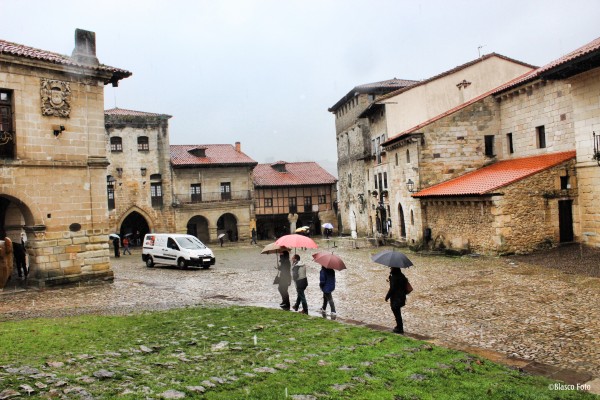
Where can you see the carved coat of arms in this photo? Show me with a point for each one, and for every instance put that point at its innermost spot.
(56, 98)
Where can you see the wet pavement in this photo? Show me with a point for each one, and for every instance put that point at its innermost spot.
(507, 306)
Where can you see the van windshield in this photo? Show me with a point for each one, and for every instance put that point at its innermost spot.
(190, 243)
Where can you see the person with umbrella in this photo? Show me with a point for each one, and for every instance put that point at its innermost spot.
(398, 283)
(285, 279)
(301, 282)
(327, 284)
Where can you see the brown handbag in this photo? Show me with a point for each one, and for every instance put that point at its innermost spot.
(409, 287)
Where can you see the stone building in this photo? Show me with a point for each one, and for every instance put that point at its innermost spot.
(354, 148)
(291, 195)
(548, 112)
(54, 161)
(376, 192)
(213, 191)
(138, 181)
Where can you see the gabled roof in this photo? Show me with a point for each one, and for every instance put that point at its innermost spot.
(582, 59)
(486, 180)
(380, 87)
(296, 174)
(132, 113)
(452, 71)
(19, 50)
(217, 155)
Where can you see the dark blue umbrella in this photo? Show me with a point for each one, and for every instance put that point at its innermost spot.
(393, 259)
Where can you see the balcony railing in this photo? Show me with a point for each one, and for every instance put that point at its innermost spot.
(212, 197)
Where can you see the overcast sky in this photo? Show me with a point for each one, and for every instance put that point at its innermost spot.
(265, 72)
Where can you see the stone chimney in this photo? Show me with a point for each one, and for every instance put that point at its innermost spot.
(238, 147)
(85, 47)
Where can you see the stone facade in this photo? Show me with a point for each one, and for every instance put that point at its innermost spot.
(52, 184)
(138, 147)
(519, 218)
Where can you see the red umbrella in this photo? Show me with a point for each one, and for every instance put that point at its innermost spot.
(295, 241)
(329, 260)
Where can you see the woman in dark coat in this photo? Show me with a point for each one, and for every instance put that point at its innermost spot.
(327, 284)
(285, 279)
(397, 294)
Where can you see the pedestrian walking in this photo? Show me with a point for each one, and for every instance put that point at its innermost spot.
(253, 241)
(327, 284)
(285, 279)
(20, 260)
(397, 295)
(116, 246)
(301, 282)
(126, 246)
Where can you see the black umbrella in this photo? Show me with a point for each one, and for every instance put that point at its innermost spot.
(393, 259)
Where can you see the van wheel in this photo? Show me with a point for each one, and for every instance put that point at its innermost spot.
(149, 262)
(181, 263)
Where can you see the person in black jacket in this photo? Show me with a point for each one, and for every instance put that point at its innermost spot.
(397, 294)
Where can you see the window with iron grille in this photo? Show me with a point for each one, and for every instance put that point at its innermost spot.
(196, 192)
(7, 134)
(116, 144)
(143, 143)
(156, 194)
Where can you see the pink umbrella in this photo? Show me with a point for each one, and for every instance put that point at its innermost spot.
(329, 260)
(295, 241)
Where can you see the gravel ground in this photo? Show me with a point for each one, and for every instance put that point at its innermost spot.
(542, 307)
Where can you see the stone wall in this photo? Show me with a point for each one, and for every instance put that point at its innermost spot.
(586, 114)
(57, 182)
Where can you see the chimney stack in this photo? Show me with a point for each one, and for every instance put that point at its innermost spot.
(238, 147)
(85, 47)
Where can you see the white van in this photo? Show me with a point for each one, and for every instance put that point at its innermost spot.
(176, 249)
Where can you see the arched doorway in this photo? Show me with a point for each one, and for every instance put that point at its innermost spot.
(134, 226)
(14, 217)
(227, 224)
(198, 226)
(402, 223)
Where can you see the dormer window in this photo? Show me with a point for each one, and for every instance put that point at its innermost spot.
(199, 151)
(279, 166)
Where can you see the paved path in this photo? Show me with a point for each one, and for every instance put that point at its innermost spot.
(501, 304)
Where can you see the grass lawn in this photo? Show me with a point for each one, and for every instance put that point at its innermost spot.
(242, 353)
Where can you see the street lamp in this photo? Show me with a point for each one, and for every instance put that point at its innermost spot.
(410, 185)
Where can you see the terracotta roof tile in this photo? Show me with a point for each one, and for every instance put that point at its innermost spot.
(296, 174)
(492, 177)
(123, 112)
(216, 155)
(19, 50)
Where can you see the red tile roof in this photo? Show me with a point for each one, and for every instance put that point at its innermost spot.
(216, 155)
(297, 174)
(19, 50)
(492, 177)
(121, 111)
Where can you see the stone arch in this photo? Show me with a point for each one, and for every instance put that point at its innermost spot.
(135, 223)
(15, 216)
(227, 224)
(198, 226)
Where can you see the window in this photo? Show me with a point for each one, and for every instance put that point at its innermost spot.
(541, 136)
(293, 205)
(322, 199)
(110, 190)
(564, 182)
(509, 143)
(380, 181)
(349, 180)
(407, 156)
(385, 180)
(489, 145)
(269, 202)
(375, 179)
(396, 156)
(196, 192)
(7, 134)
(143, 144)
(307, 203)
(116, 144)
(378, 144)
(225, 190)
(156, 194)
